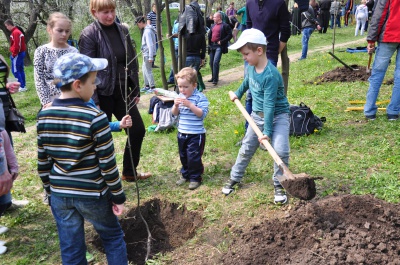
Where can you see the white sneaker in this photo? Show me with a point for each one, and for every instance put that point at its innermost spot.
(22, 89)
(2, 243)
(3, 229)
(3, 250)
(280, 196)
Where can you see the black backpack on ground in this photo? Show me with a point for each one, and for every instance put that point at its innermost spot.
(303, 121)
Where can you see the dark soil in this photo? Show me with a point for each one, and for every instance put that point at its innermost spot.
(336, 230)
(302, 188)
(343, 74)
(170, 226)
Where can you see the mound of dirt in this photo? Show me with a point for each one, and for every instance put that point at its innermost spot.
(342, 74)
(336, 230)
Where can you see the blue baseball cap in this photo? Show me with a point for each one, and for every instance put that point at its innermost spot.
(72, 66)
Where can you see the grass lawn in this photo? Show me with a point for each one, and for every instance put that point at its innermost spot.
(352, 155)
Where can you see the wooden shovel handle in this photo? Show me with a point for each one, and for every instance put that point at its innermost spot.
(369, 61)
(267, 145)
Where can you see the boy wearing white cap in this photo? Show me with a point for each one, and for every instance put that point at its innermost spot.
(270, 110)
(77, 165)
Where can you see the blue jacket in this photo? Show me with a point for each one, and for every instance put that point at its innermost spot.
(273, 20)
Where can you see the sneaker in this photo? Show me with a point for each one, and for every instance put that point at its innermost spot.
(3, 249)
(150, 90)
(2, 243)
(392, 117)
(280, 195)
(181, 181)
(45, 198)
(194, 185)
(16, 204)
(3, 229)
(229, 187)
(370, 117)
(22, 89)
(145, 89)
(89, 257)
(210, 80)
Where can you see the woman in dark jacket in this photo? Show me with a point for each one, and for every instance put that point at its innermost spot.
(105, 38)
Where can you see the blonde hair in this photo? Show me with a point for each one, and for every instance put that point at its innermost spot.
(187, 73)
(100, 5)
(56, 16)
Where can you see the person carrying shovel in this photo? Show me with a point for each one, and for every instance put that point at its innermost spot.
(270, 110)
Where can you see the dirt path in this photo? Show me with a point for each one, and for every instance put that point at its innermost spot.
(235, 74)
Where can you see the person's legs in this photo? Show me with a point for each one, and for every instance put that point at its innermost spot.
(5, 202)
(363, 21)
(304, 41)
(99, 213)
(217, 59)
(70, 225)
(332, 21)
(249, 146)
(148, 73)
(20, 69)
(338, 20)
(394, 106)
(195, 149)
(384, 52)
(357, 27)
(182, 147)
(280, 142)
(212, 55)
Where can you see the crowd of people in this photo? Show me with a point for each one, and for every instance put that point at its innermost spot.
(80, 91)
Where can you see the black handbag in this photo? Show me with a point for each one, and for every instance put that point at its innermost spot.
(14, 121)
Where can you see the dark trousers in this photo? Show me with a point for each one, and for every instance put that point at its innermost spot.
(115, 104)
(191, 149)
(324, 17)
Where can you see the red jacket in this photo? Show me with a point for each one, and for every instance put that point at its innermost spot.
(17, 42)
(385, 26)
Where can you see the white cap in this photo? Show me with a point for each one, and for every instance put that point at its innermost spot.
(249, 36)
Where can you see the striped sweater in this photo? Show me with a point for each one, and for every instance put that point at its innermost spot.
(76, 152)
(189, 123)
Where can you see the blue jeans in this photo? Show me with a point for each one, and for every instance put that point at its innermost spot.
(194, 62)
(5, 202)
(306, 34)
(383, 54)
(333, 20)
(215, 58)
(70, 213)
(279, 141)
(17, 68)
(249, 99)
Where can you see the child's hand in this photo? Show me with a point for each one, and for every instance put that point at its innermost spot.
(177, 101)
(232, 96)
(118, 209)
(185, 102)
(126, 122)
(264, 137)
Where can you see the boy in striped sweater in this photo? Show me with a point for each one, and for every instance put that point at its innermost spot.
(77, 165)
(192, 108)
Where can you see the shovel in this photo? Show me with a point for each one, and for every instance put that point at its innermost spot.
(298, 185)
(369, 64)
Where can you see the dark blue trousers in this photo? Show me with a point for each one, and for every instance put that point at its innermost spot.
(191, 149)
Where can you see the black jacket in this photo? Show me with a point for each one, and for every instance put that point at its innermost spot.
(226, 36)
(308, 19)
(94, 43)
(191, 21)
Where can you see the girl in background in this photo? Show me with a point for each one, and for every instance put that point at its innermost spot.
(361, 17)
(59, 29)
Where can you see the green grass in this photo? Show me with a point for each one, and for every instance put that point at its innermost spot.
(352, 155)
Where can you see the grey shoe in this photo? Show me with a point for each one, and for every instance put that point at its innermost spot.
(229, 187)
(280, 196)
(181, 181)
(194, 185)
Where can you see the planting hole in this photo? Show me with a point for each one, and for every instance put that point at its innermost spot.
(170, 224)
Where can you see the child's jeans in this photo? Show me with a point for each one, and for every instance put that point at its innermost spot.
(191, 148)
(250, 144)
(70, 214)
(5, 202)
